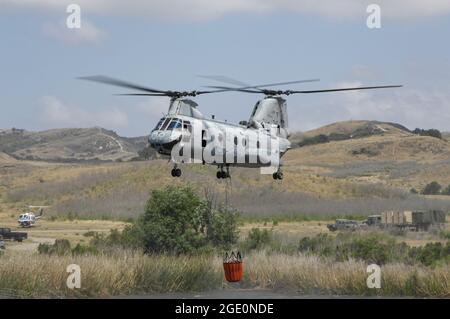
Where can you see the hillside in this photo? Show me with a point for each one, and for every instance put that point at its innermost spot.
(350, 130)
(65, 145)
(5, 158)
(394, 158)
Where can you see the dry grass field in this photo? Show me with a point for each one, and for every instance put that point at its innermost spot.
(126, 273)
(349, 178)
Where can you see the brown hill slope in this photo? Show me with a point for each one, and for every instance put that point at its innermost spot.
(5, 158)
(69, 145)
(350, 130)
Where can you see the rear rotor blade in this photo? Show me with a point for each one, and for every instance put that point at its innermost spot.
(243, 85)
(347, 89)
(280, 83)
(226, 89)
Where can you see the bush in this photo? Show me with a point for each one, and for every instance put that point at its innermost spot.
(257, 239)
(446, 191)
(84, 250)
(431, 132)
(444, 234)
(60, 247)
(432, 188)
(177, 220)
(370, 248)
(432, 253)
(318, 139)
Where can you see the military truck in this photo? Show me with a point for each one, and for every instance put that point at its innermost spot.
(344, 224)
(412, 220)
(373, 221)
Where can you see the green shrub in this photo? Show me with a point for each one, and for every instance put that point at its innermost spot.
(432, 253)
(318, 139)
(177, 220)
(432, 188)
(60, 247)
(446, 191)
(257, 239)
(84, 250)
(444, 234)
(431, 132)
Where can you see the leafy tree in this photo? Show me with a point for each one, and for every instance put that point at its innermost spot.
(432, 188)
(177, 220)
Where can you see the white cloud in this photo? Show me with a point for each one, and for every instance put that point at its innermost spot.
(181, 10)
(155, 107)
(88, 33)
(55, 113)
(408, 106)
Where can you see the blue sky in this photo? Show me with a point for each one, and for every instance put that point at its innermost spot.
(167, 44)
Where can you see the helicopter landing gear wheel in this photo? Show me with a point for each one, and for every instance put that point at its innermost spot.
(278, 175)
(222, 174)
(176, 172)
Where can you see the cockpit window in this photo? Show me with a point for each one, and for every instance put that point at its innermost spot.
(175, 124)
(161, 121)
(166, 122)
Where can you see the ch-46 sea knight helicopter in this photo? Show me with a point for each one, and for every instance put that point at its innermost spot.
(227, 144)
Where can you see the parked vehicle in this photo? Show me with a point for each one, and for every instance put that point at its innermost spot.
(7, 234)
(412, 220)
(373, 221)
(344, 224)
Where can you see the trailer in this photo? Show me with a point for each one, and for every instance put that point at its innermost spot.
(412, 220)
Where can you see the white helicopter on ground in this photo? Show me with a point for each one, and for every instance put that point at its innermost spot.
(29, 218)
(259, 142)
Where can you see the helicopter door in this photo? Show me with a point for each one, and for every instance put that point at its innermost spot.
(204, 138)
(187, 131)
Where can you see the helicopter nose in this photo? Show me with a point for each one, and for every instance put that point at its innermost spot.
(163, 141)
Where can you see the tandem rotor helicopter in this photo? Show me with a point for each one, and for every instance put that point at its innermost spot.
(269, 119)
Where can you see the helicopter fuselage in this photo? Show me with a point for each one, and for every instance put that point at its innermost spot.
(209, 141)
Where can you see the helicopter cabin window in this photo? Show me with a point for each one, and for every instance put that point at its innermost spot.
(187, 126)
(175, 124)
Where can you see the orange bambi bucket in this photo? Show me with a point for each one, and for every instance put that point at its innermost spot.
(232, 266)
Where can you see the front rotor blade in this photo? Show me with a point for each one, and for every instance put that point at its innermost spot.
(225, 79)
(141, 94)
(111, 81)
(348, 89)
